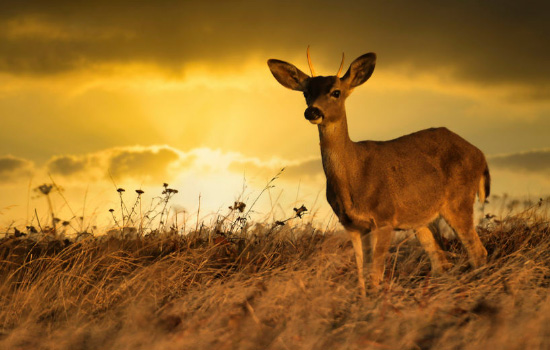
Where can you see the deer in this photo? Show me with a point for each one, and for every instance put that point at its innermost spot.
(378, 187)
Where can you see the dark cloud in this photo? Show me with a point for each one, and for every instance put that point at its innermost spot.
(139, 164)
(13, 168)
(490, 42)
(67, 165)
(304, 170)
(534, 161)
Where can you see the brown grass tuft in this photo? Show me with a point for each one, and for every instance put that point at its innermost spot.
(293, 288)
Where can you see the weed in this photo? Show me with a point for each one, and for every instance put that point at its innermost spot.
(239, 284)
(289, 288)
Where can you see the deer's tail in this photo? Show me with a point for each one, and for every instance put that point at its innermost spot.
(484, 185)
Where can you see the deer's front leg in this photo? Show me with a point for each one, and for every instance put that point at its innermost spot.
(380, 243)
(355, 236)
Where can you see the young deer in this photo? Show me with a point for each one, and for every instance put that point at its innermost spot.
(381, 186)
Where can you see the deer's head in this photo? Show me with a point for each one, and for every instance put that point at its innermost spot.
(325, 96)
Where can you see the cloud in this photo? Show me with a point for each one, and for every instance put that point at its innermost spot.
(144, 163)
(13, 168)
(307, 169)
(488, 42)
(67, 165)
(537, 161)
(148, 164)
(157, 164)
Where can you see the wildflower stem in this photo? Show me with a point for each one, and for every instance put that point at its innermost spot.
(121, 207)
(38, 220)
(51, 212)
(198, 212)
(140, 217)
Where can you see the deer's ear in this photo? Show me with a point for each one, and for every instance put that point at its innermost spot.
(360, 70)
(288, 75)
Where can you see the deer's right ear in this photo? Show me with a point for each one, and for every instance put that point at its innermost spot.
(288, 75)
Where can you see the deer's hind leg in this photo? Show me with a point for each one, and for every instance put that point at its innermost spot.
(460, 216)
(380, 245)
(437, 256)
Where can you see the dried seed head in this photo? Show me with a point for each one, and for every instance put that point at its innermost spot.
(300, 211)
(238, 206)
(120, 190)
(44, 189)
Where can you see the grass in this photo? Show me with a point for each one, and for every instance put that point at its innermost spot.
(264, 288)
(154, 283)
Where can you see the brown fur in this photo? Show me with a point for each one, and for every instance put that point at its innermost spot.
(405, 183)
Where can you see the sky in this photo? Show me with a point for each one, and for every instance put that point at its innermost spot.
(103, 94)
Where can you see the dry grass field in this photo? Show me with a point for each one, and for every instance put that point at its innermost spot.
(273, 287)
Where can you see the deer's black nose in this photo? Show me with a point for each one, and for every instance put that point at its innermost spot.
(313, 113)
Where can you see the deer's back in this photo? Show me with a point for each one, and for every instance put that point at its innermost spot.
(436, 149)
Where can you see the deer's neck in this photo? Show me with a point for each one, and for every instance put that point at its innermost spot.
(337, 151)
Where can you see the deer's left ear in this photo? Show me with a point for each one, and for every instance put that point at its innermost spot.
(287, 74)
(360, 70)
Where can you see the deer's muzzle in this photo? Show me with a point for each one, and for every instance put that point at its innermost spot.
(314, 115)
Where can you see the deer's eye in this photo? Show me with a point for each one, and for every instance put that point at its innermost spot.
(335, 93)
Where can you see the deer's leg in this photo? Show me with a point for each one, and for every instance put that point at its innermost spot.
(437, 256)
(355, 236)
(461, 218)
(380, 244)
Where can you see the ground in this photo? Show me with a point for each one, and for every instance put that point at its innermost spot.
(273, 287)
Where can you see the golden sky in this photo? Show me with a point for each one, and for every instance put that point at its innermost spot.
(180, 92)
